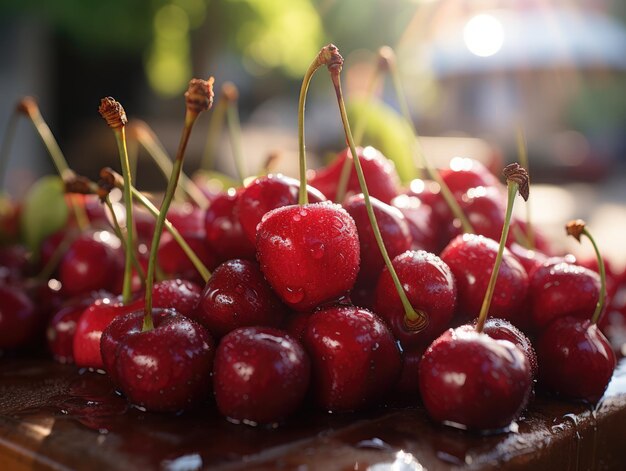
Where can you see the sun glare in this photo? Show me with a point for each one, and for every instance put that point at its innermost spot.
(483, 35)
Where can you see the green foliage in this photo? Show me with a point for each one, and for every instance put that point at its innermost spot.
(44, 211)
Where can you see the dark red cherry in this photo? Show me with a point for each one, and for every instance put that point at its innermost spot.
(354, 356)
(465, 173)
(174, 262)
(91, 263)
(562, 290)
(90, 325)
(484, 208)
(430, 287)
(266, 193)
(237, 295)
(309, 254)
(393, 229)
(167, 368)
(575, 359)
(470, 380)
(19, 319)
(423, 222)
(530, 259)
(261, 375)
(224, 233)
(13, 262)
(471, 259)
(408, 384)
(187, 218)
(380, 173)
(182, 296)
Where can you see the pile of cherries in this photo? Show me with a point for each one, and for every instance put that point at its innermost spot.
(301, 306)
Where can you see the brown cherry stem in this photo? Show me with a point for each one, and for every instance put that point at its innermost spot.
(576, 229)
(415, 320)
(198, 98)
(517, 180)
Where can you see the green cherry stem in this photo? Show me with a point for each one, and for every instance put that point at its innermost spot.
(517, 180)
(115, 117)
(422, 160)
(415, 320)
(198, 98)
(231, 95)
(321, 59)
(141, 132)
(522, 152)
(576, 229)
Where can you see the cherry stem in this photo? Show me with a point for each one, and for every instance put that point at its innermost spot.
(517, 180)
(30, 108)
(414, 320)
(144, 135)
(303, 197)
(522, 152)
(127, 286)
(421, 156)
(5, 149)
(234, 131)
(216, 124)
(577, 228)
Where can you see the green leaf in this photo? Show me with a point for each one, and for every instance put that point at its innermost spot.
(44, 211)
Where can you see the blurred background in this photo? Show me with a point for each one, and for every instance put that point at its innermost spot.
(476, 72)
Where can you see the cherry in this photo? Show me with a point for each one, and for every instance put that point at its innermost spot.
(394, 230)
(408, 384)
(380, 173)
(13, 262)
(422, 221)
(470, 380)
(464, 173)
(237, 295)
(562, 290)
(261, 375)
(530, 259)
(91, 263)
(471, 258)
(19, 319)
(182, 296)
(484, 208)
(187, 218)
(309, 254)
(575, 359)
(430, 287)
(224, 233)
(354, 357)
(266, 193)
(166, 368)
(174, 263)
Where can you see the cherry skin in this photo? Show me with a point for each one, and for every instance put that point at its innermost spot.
(224, 233)
(430, 287)
(354, 356)
(393, 229)
(266, 193)
(187, 218)
(471, 259)
(13, 262)
(91, 263)
(381, 176)
(422, 221)
(408, 384)
(167, 368)
(174, 262)
(237, 295)
(183, 296)
(465, 173)
(90, 325)
(470, 380)
(562, 290)
(530, 259)
(575, 359)
(19, 319)
(309, 254)
(261, 375)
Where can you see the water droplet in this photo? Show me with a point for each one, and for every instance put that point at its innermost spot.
(317, 250)
(293, 294)
(296, 217)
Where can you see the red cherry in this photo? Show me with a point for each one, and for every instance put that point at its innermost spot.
(188, 219)
(224, 233)
(430, 288)
(19, 319)
(381, 176)
(174, 262)
(530, 259)
(167, 368)
(13, 262)
(470, 380)
(423, 222)
(465, 173)
(237, 295)
(575, 359)
(91, 263)
(261, 375)
(471, 259)
(484, 207)
(266, 193)
(393, 228)
(408, 384)
(355, 358)
(562, 290)
(309, 254)
(182, 296)
(90, 325)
